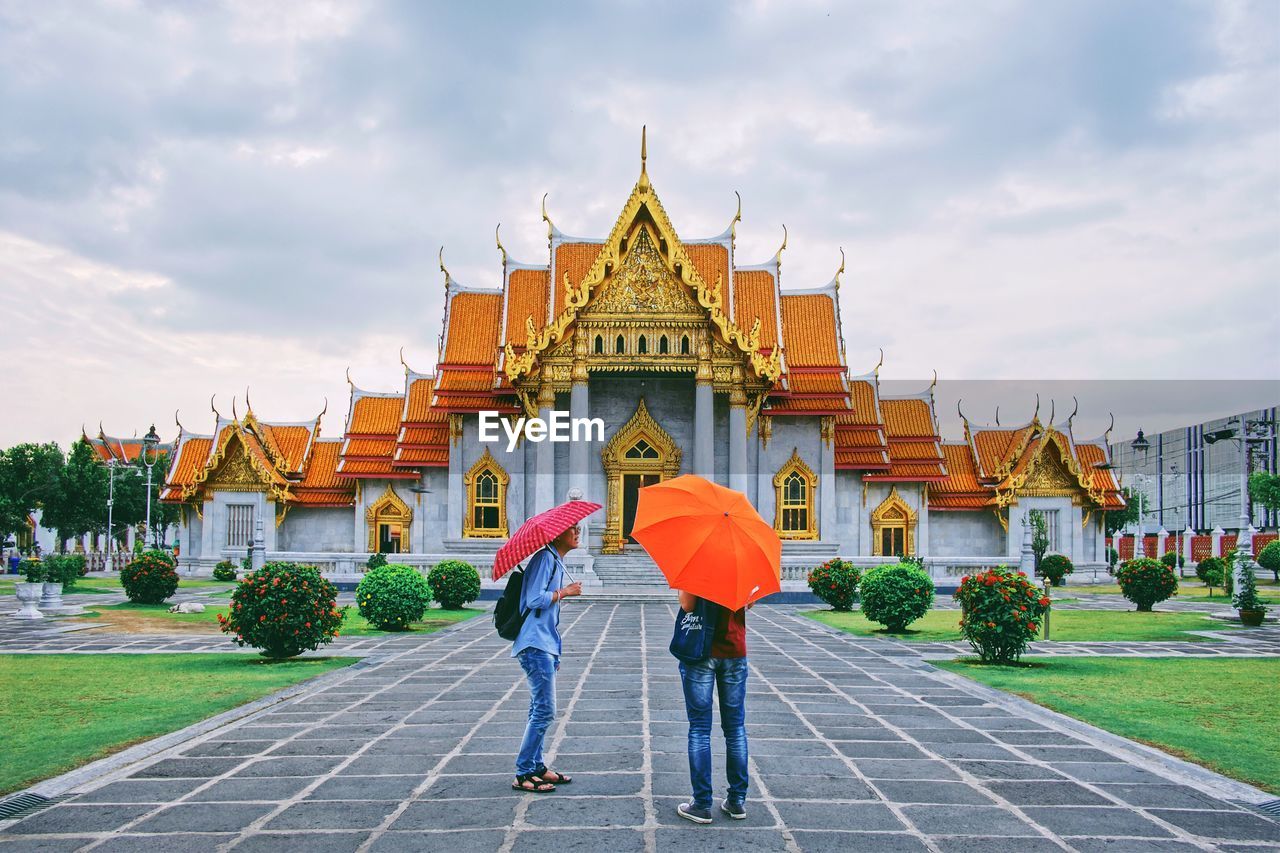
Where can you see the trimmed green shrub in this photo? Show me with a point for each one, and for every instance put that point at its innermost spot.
(1211, 571)
(32, 570)
(1000, 613)
(224, 571)
(284, 609)
(392, 596)
(150, 577)
(1246, 596)
(836, 583)
(1173, 559)
(1269, 558)
(1146, 582)
(454, 583)
(375, 561)
(896, 595)
(1113, 557)
(1056, 567)
(65, 569)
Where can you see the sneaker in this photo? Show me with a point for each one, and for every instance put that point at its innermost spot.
(689, 811)
(733, 810)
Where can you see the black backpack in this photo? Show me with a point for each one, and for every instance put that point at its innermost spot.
(507, 617)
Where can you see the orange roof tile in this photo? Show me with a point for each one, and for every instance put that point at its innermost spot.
(416, 435)
(422, 456)
(809, 330)
(526, 299)
(867, 459)
(375, 468)
(817, 383)
(907, 418)
(863, 396)
(967, 501)
(753, 296)
(368, 447)
(190, 458)
(322, 469)
(806, 405)
(961, 474)
(376, 414)
(473, 328)
(711, 260)
(859, 438)
(291, 441)
(994, 446)
(914, 450)
(911, 470)
(418, 397)
(575, 259)
(464, 380)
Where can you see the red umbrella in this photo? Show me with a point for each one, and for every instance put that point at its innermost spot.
(538, 531)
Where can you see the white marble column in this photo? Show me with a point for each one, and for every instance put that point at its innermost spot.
(579, 451)
(704, 430)
(457, 495)
(738, 446)
(827, 479)
(545, 480)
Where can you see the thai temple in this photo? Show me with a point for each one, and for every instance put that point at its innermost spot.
(695, 362)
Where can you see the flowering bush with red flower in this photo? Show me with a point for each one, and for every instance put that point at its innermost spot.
(1146, 582)
(836, 583)
(1001, 613)
(896, 595)
(150, 577)
(283, 609)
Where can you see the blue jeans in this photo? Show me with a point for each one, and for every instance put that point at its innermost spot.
(728, 678)
(540, 672)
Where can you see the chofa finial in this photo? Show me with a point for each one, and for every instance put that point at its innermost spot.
(497, 237)
(840, 271)
(1074, 411)
(1035, 416)
(349, 382)
(997, 415)
(737, 217)
(879, 364)
(777, 257)
(551, 228)
(216, 413)
(248, 407)
(443, 269)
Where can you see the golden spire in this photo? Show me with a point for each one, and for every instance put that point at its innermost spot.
(497, 236)
(840, 271)
(777, 257)
(737, 217)
(407, 371)
(443, 270)
(880, 364)
(644, 156)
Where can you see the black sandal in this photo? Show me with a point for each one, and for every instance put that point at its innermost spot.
(544, 770)
(539, 785)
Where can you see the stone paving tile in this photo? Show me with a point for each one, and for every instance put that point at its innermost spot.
(853, 747)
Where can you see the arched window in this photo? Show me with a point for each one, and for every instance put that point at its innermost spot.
(620, 345)
(486, 484)
(643, 348)
(684, 345)
(893, 528)
(795, 486)
(663, 349)
(389, 519)
(599, 345)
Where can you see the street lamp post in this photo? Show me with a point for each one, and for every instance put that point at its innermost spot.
(150, 455)
(1140, 444)
(111, 501)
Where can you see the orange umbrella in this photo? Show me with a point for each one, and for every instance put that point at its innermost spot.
(708, 540)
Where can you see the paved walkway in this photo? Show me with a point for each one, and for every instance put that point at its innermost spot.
(855, 745)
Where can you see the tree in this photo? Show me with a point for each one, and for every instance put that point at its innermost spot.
(29, 476)
(79, 505)
(131, 498)
(1120, 518)
(1039, 535)
(1264, 488)
(162, 515)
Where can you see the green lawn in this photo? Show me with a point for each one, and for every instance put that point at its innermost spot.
(1188, 589)
(157, 617)
(112, 585)
(1218, 713)
(940, 626)
(68, 710)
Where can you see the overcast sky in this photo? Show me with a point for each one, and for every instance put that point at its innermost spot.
(196, 198)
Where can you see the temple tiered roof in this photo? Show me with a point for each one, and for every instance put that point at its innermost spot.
(288, 460)
(119, 450)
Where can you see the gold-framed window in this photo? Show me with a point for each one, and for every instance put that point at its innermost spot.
(486, 484)
(893, 527)
(796, 488)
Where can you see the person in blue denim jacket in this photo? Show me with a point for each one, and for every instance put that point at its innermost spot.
(537, 647)
(723, 673)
